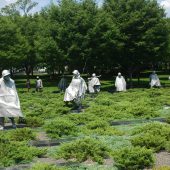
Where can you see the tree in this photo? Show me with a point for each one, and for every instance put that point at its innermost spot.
(20, 5)
(83, 38)
(167, 56)
(11, 44)
(143, 32)
(27, 26)
(10, 10)
(26, 5)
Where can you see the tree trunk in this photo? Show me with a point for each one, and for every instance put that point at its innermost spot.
(32, 71)
(27, 70)
(130, 77)
(138, 78)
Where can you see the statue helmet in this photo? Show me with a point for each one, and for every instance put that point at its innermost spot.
(119, 74)
(5, 73)
(76, 72)
(93, 75)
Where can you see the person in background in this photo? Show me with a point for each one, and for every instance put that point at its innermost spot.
(154, 80)
(39, 84)
(76, 90)
(28, 84)
(94, 84)
(62, 85)
(120, 83)
(9, 100)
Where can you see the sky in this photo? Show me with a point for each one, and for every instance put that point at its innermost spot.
(43, 3)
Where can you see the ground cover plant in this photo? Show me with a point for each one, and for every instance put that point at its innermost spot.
(45, 166)
(21, 134)
(83, 149)
(133, 158)
(100, 127)
(60, 127)
(16, 150)
(167, 146)
(152, 136)
(47, 111)
(33, 121)
(162, 168)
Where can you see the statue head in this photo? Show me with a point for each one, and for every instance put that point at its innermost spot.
(37, 77)
(93, 75)
(6, 75)
(119, 74)
(76, 73)
(154, 72)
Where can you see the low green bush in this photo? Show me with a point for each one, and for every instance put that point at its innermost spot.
(60, 127)
(101, 128)
(22, 134)
(83, 149)
(167, 146)
(149, 141)
(34, 122)
(45, 166)
(51, 111)
(152, 136)
(80, 119)
(168, 120)
(107, 131)
(97, 124)
(133, 158)
(154, 128)
(162, 168)
(17, 152)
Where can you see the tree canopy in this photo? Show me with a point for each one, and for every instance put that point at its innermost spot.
(125, 34)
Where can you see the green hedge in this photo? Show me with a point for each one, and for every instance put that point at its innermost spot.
(45, 166)
(60, 127)
(152, 136)
(17, 152)
(133, 158)
(83, 149)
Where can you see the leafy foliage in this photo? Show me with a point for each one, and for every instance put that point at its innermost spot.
(14, 148)
(152, 135)
(149, 141)
(135, 32)
(167, 146)
(101, 128)
(133, 158)
(139, 23)
(34, 122)
(168, 120)
(60, 127)
(12, 152)
(22, 134)
(83, 149)
(45, 166)
(162, 168)
(106, 107)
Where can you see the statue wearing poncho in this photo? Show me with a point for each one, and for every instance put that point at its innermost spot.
(94, 84)
(76, 90)
(154, 80)
(9, 100)
(120, 83)
(62, 85)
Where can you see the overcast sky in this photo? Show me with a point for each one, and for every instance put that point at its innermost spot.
(43, 3)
